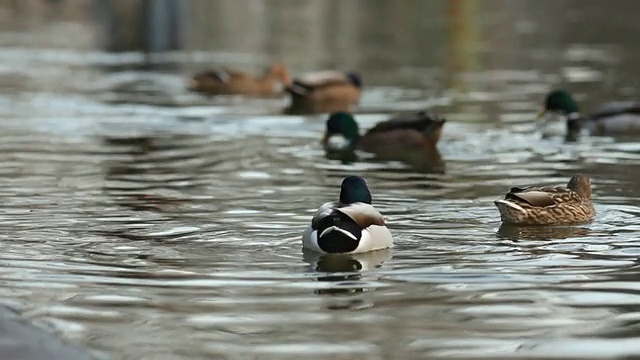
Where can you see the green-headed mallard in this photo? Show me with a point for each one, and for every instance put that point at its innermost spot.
(614, 118)
(350, 225)
(325, 91)
(551, 205)
(233, 82)
(406, 131)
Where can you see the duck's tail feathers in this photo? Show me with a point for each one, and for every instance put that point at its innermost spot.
(338, 233)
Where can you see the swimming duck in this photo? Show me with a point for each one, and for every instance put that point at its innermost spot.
(325, 91)
(234, 82)
(414, 130)
(351, 225)
(614, 118)
(549, 205)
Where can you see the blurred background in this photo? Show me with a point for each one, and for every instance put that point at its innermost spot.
(430, 46)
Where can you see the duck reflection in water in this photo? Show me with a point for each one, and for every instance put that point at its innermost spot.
(410, 138)
(344, 272)
(542, 233)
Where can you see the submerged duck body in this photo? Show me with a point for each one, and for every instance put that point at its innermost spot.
(551, 205)
(408, 137)
(324, 91)
(613, 118)
(349, 226)
(417, 130)
(234, 82)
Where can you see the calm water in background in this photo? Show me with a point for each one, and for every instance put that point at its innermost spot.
(144, 222)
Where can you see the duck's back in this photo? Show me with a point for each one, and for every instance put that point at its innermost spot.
(620, 117)
(409, 130)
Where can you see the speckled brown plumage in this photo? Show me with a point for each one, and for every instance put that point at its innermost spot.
(234, 82)
(549, 205)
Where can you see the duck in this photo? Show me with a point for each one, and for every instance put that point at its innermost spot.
(410, 137)
(613, 118)
(404, 130)
(324, 92)
(350, 225)
(550, 205)
(234, 82)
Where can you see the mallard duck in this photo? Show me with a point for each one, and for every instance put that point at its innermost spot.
(415, 130)
(234, 82)
(614, 118)
(410, 138)
(552, 205)
(325, 91)
(351, 225)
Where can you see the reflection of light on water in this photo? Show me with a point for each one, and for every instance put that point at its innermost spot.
(581, 74)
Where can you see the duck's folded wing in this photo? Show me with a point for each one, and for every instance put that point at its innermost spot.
(319, 76)
(534, 197)
(319, 83)
(418, 121)
(228, 75)
(616, 108)
(363, 214)
(324, 210)
(299, 88)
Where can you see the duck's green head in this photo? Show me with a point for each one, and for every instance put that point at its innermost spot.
(343, 124)
(354, 189)
(560, 101)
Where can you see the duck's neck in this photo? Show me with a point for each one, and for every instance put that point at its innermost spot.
(341, 142)
(574, 126)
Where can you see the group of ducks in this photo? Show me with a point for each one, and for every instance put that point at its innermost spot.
(317, 92)
(352, 224)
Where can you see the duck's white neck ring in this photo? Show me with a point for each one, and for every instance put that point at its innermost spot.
(573, 116)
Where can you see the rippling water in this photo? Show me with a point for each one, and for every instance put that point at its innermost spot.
(148, 223)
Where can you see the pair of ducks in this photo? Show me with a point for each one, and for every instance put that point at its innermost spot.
(353, 225)
(323, 91)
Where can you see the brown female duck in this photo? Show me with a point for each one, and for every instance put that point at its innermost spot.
(549, 205)
(234, 82)
(325, 91)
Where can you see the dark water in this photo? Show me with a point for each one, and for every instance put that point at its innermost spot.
(144, 222)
